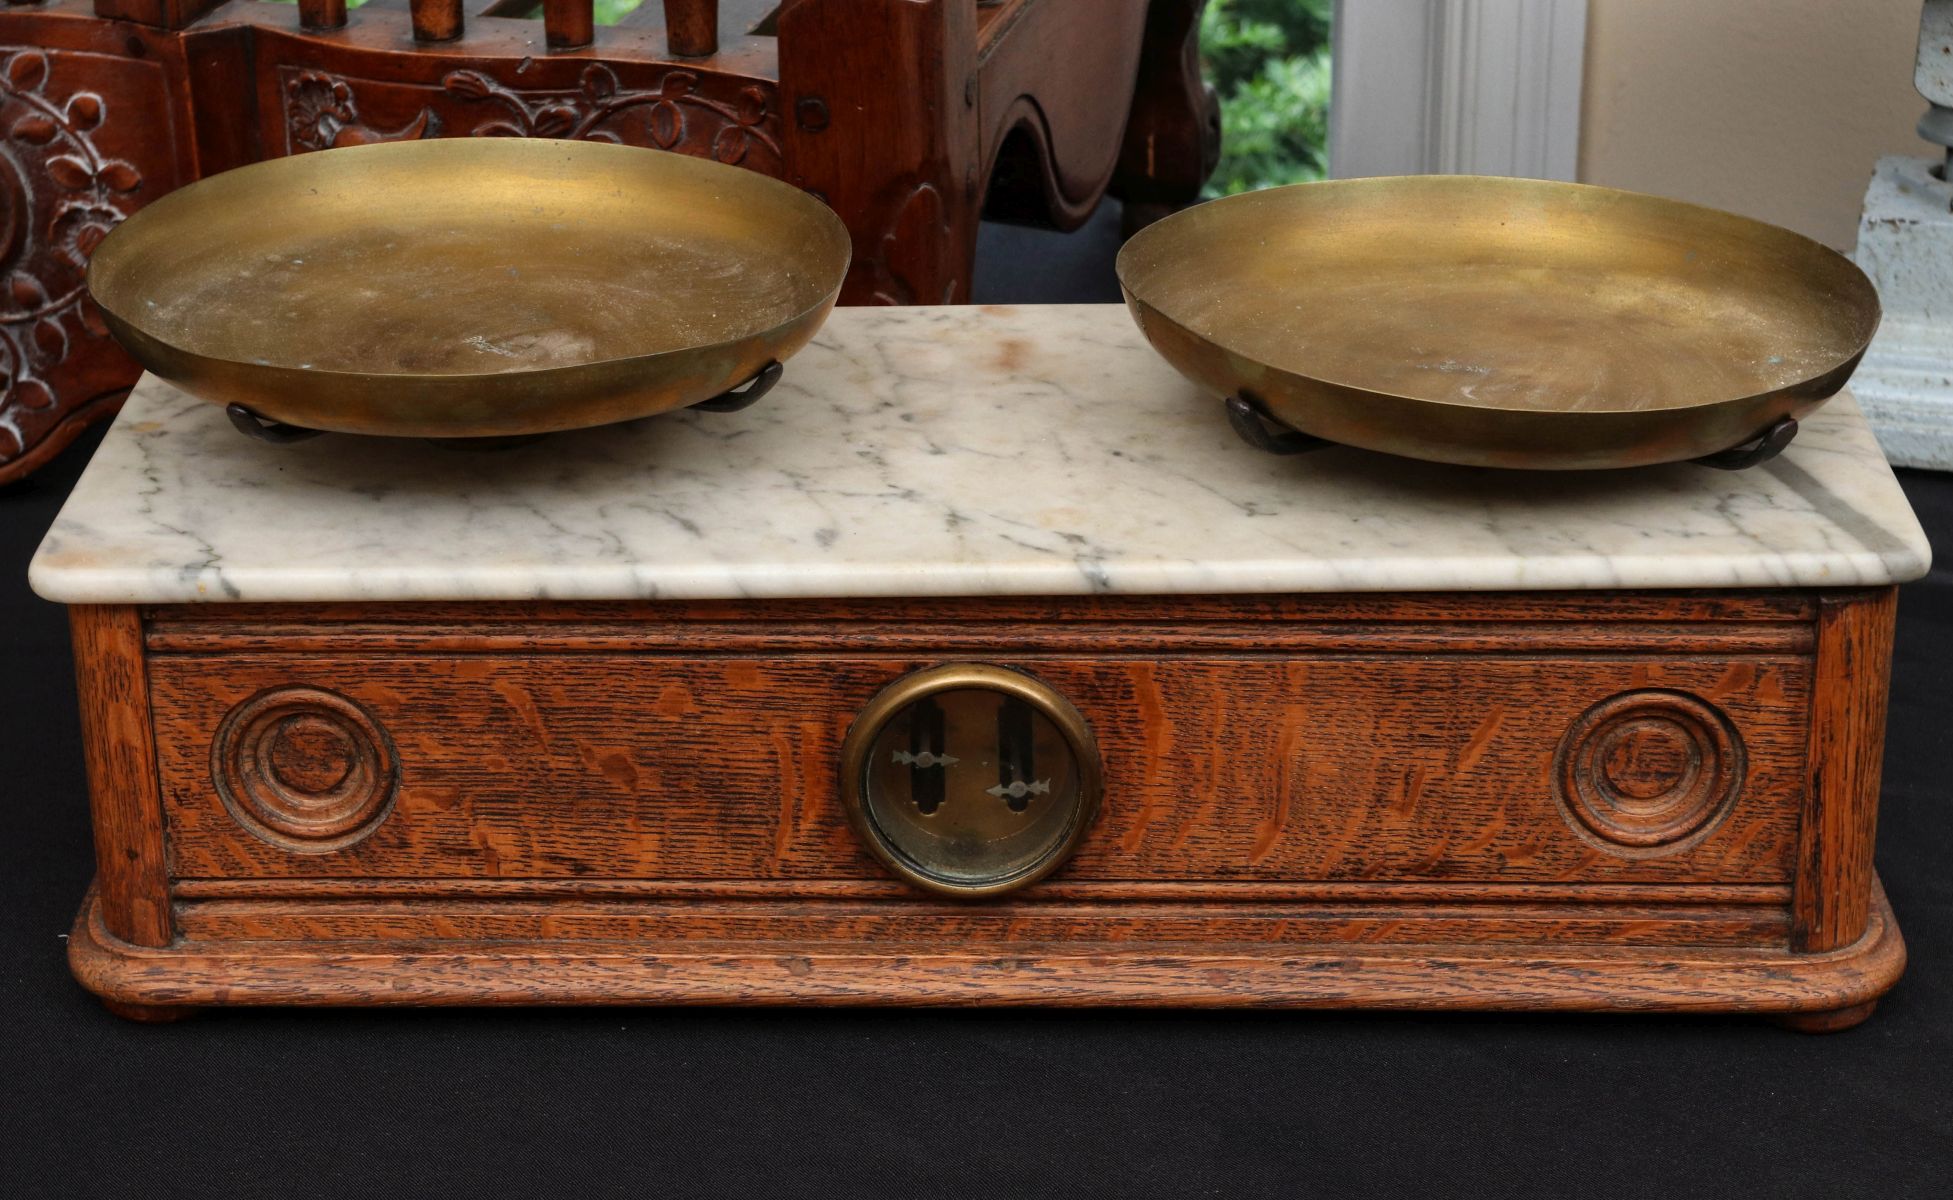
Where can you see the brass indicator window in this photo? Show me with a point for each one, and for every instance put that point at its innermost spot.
(971, 779)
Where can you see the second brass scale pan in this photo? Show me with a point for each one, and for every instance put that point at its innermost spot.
(1500, 322)
(471, 287)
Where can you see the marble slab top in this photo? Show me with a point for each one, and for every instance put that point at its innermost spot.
(936, 452)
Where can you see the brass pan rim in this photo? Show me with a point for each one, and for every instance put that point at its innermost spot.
(539, 146)
(1137, 244)
(536, 374)
(1547, 416)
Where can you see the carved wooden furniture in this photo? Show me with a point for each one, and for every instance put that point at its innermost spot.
(904, 115)
(1360, 731)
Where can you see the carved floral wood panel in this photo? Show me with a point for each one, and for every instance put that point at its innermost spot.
(75, 159)
(729, 119)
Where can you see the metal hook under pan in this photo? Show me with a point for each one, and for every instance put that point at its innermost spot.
(736, 399)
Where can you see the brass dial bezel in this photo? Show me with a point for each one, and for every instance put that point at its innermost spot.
(930, 681)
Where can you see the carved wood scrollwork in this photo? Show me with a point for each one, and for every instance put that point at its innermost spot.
(916, 229)
(321, 113)
(681, 110)
(734, 125)
(60, 194)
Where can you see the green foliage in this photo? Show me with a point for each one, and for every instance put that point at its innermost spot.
(1269, 62)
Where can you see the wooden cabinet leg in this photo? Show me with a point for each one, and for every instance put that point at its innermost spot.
(1832, 896)
(1831, 1020)
(112, 680)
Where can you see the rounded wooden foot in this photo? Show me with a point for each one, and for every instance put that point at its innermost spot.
(150, 1014)
(1831, 1020)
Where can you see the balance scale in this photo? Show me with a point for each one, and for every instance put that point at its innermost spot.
(981, 665)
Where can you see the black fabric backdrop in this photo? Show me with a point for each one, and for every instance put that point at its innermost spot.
(861, 1103)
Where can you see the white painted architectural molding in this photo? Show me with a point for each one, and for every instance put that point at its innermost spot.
(1905, 243)
(1479, 87)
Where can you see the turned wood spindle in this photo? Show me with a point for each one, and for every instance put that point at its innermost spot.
(692, 28)
(436, 20)
(322, 14)
(568, 24)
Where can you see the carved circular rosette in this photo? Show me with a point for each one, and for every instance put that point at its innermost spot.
(304, 768)
(1647, 773)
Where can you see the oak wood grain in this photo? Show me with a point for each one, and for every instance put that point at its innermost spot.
(694, 971)
(1536, 800)
(1304, 767)
(1460, 638)
(1031, 919)
(1251, 892)
(119, 746)
(1629, 610)
(1847, 743)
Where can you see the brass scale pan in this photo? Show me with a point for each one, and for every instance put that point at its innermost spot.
(500, 287)
(471, 287)
(1500, 322)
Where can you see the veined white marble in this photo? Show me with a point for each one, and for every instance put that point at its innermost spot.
(936, 452)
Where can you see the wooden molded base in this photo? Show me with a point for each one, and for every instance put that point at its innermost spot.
(1481, 976)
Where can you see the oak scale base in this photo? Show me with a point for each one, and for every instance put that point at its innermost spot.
(1571, 801)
